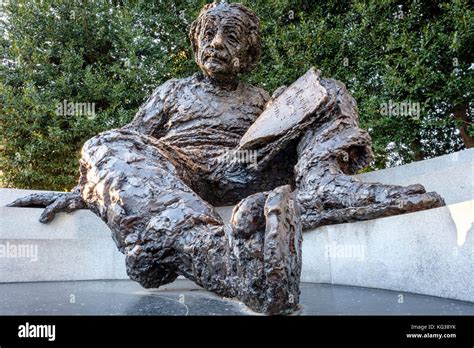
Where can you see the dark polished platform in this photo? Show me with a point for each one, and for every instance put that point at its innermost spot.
(123, 297)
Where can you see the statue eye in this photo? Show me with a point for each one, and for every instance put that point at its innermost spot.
(232, 38)
(209, 33)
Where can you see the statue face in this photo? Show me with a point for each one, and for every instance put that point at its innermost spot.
(222, 46)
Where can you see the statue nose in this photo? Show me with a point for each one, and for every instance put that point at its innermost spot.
(218, 41)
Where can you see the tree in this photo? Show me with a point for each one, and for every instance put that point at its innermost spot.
(408, 64)
(398, 53)
(106, 55)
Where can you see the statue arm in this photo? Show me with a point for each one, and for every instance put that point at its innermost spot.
(53, 202)
(149, 120)
(153, 114)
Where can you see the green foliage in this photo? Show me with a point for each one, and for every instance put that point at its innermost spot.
(398, 51)
(113, 53)
(83, 52)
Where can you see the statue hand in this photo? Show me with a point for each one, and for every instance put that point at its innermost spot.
(54, 202)
(278, 92)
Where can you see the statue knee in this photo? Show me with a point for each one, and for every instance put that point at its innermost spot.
(144, 268)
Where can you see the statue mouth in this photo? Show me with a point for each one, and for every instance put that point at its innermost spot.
(216, 57)
(216, 60)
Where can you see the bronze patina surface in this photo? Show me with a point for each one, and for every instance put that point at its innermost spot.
(155, 181)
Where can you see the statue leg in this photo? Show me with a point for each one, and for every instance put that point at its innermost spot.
(327, 156)
(165, 229)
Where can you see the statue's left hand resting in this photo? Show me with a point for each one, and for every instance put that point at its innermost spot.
(54, 202)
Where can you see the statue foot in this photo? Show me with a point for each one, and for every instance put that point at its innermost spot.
(282, 251)
(248, 215)
(274, 238)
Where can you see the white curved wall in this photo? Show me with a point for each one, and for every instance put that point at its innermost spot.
(429, 252)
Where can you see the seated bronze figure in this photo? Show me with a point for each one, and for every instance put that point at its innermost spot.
(156, 181)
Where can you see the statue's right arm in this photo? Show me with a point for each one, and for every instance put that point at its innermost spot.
(153, 114)
(149, 120)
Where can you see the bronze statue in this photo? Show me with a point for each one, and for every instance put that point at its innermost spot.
(155, 181)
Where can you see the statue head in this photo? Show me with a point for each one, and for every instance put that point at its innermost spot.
(226, 40)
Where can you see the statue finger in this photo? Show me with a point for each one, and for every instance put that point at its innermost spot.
(278, 92)
(416, 188)
(35, 200)
(48, 214)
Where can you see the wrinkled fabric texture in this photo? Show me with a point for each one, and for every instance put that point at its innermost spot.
(155, 183)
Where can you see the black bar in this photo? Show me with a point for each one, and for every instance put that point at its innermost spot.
(292, 330)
